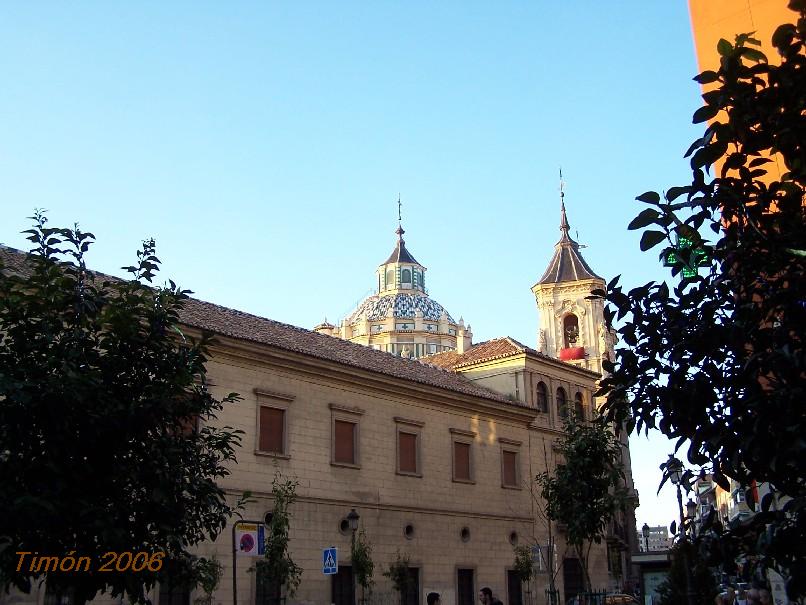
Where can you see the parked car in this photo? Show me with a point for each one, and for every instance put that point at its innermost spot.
(620, 599)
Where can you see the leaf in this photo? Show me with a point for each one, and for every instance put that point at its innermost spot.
(706, 77)
(649, 197)
(650, 239)
(676, 192)
(705, 113)
(646, 217)
(754, 55)
(673, 528)
(724, 48)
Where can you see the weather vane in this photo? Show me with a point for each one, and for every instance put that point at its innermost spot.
(399, 215)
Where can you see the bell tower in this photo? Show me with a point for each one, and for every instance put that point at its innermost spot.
(572, 325)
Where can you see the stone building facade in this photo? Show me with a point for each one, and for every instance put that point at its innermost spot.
(436, 455)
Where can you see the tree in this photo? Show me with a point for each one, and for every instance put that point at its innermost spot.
(105, 436)
(586, 489)
(672, 591)
(278, 571)
(361, 561)
(398, 573)
(717, 361)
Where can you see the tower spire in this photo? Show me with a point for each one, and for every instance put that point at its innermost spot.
(564, 226)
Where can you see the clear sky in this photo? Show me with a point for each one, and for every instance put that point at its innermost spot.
(264, 145)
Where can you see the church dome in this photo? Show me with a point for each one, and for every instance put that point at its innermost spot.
(403, 306)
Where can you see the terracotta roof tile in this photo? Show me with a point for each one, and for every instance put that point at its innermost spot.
(244, 326)
(483, 351)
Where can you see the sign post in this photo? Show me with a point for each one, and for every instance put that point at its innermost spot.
(248, 540)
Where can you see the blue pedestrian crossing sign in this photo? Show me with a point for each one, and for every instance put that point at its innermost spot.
(330, 561)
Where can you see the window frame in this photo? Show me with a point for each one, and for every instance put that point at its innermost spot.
(410, 427)
(545, 407)
(466, 438)
(278, 401)
(564, 400)
(344, 413)
(579, 399)
(511, 446)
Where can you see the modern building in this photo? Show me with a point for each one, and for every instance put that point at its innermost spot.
(436, 455)
(657, 539)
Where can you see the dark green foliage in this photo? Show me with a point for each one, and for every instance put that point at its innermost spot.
(717, 361)
(673, 589)
(398, 573)
(98, 388)
(361, 561)
(278, 567)
(523, 563)
(585, 490)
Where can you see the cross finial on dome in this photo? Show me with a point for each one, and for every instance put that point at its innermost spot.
(399, 230)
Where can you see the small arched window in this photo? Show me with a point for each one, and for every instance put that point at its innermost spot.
(579, 407)
(542, 397)
(406, 276)
(390, 278)
(562, 403)
(570, 330)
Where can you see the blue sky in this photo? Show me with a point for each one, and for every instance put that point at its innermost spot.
(263, 145)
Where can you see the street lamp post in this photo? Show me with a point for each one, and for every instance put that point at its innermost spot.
(675, 470)
(645, 533)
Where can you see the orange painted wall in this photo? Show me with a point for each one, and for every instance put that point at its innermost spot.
(712, 20)
(715, 19)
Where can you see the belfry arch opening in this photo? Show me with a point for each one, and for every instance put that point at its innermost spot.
(570, 330)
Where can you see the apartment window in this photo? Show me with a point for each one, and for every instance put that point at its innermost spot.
(562, 403)
(510, 463)
(542, 397)
(579, 406)
(408, 446)
(462, 443)
(272, 423)
(345, 435)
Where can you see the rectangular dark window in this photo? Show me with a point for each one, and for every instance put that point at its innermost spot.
(171, 594)
(272, 428)
(465, 591)
(461, 461)
(514, 590)
(344, 447)
(510, 468)
(407, 446)
(342, 586)
(410, 595)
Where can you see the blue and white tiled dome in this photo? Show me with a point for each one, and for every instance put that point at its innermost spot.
(403, 306)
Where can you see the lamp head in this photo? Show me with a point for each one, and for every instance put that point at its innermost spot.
(675, 469)
(353, 517)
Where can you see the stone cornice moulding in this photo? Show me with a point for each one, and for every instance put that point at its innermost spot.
(409, 421)
(272, 394)
(402, 389)
(337, 407)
